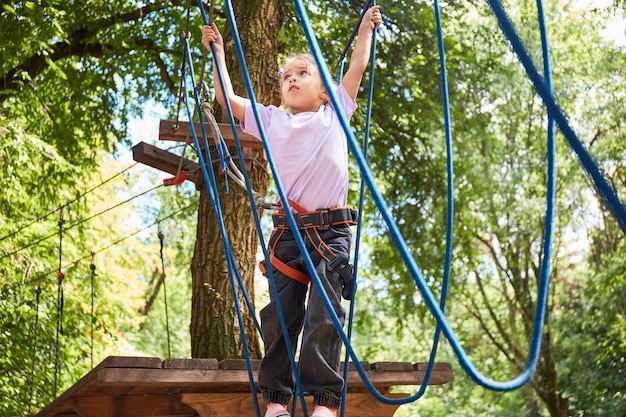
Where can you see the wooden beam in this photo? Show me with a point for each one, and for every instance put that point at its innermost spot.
(242, 404)
(165, 161)
(237, 380)
(172, 130)
(160, 405)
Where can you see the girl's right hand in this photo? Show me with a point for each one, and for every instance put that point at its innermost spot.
(211, 34)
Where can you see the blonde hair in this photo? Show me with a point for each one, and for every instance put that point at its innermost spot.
(306, 57)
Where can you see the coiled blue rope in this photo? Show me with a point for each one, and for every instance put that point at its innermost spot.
(467, 365)
(544, 89)
(209, 178)
(272, 284)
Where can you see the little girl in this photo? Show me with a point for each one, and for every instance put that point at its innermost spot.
(309, 147)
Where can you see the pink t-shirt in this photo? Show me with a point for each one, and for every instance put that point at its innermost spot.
(309, 149)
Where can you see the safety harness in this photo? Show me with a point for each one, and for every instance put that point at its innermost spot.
(311, 223)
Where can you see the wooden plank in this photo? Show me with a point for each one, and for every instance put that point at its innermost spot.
(234, 364)
(392, 366)
(239, 364)
(437, 366)
(242, 404)
(131, 362)
(171, 130)
(351, 366)
(238, 379)
(173, 377)
(441, 374)
(190, 363)
(87, 383)
(141, 387)
(164, 161)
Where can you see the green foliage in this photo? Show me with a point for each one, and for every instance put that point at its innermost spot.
(76, 73)
(594, 342)
(499, 129)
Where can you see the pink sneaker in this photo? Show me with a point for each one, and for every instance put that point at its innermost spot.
(276, 410)
(321, 411)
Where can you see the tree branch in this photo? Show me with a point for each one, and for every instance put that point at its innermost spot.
(78, 43)
(154, 52)
(517, 355)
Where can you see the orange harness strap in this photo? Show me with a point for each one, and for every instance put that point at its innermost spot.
(315, 239)
(292, 273)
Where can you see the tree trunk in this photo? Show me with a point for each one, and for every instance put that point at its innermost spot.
(546, 375)
(214, 324)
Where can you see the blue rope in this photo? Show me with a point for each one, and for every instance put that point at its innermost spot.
(272, 283)
(214, 194)
(357, 243)
(212, 189)
(450, 198)
(554, 113)
(611, 199)
(355, 30)
(467, 365)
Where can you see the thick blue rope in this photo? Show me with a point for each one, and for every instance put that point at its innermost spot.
(357, 243)
(450, 198)
(437, 312)
(212, 188)
(467, 365)
(611, 199)
(515, 383)
(272, 283)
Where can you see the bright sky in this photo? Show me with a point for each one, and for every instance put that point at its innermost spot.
(616, 28)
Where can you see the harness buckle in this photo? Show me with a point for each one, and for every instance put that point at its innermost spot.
(324, 219)
(305, 220)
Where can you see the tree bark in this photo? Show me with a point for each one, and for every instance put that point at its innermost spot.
(214, 325)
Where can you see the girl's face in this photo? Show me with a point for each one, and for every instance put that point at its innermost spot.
(302, 88)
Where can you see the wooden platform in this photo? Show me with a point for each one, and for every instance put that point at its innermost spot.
(171, 130)
(142, 387)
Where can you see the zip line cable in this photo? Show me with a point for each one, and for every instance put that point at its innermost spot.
(60, 296)
(35, 334)
(67, 203)
(60, 301)
(92, 268)
(81, 221)
(118, 241)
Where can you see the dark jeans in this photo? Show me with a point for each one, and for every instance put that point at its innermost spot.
(321, 345)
